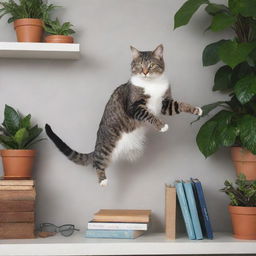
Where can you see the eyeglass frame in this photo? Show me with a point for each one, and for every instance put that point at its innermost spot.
(57, 228)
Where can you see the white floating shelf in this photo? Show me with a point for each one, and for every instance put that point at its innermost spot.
(149, 244)
(39, 50)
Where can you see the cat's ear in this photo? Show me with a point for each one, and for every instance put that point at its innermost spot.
(135, 52)
(158, 52)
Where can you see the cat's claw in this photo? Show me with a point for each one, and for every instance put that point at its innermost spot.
(165, 128)
(199, 111)
(104, 183)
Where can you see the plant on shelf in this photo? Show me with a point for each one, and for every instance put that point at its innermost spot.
(28, 17)
(17, 135)
(235, 124)
(59, 33)
(242, 207)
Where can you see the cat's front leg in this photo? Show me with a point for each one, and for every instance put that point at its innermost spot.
(140, 112)
(172, 107)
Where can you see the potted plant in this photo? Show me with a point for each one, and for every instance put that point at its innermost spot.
(59, 33)
(17, 136)
(235, 124)
(242, 207)
(28, 17)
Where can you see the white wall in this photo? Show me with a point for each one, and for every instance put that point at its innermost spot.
(71, 95)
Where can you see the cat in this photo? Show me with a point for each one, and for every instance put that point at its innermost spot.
(131, 107)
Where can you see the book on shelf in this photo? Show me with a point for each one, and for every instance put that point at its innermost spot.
(116, 234)
(4, 182)
(170, 212)
(12, 187)
(202, 209)
(17, 206)
(185, 210)
(17, 217)
(18, 194)
(109, 215)
(17, 230)
(117, 225)
(193, 209)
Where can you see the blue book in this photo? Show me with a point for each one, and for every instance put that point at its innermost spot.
(202, 209)
(119, 234)
(185, 211)
(193, 209)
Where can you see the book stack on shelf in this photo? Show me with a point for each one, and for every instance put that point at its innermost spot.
(193, 207)
(126, 224)
(17, 206)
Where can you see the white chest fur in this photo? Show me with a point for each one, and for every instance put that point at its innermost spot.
(155, 88)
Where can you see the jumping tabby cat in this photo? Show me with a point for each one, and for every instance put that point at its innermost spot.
(130, 108)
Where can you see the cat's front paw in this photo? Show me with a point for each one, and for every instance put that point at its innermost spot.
(165, 128)
(198, 111)
(104, 183)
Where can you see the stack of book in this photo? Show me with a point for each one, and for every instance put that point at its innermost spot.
(193, 207)
(126, 224)
(17, 205)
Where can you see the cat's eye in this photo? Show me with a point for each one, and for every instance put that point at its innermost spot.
(151, 65)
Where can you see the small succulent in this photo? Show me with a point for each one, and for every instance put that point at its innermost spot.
(16, 131)
(54, 27)
(243, 194)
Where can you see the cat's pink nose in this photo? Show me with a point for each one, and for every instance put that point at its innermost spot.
(145, 71)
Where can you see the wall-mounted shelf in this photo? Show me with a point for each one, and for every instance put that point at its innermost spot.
(149, 244)
(39, 50)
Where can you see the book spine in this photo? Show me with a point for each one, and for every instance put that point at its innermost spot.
(193, 210)
(170, 212)
(17, 182)
(17, 230)
(117, 226)
(17, 195)
(185, 211)
(136, 219)
(118, 234)
(17, 206)
(16, 188)
(16, 217)
(203, 208)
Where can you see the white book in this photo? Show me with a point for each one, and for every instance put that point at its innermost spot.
(117, 225)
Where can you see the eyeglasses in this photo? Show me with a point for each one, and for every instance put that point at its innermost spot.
(65, 230)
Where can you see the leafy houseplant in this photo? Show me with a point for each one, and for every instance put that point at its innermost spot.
(59, 33)
(235, 123)
(17, 135)
(28, 17)
(242, 207)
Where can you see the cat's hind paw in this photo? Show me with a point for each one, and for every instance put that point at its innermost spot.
(198, 111)
(165, 128)
(104, 183)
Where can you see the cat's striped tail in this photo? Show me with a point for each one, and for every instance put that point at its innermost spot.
(78, 158)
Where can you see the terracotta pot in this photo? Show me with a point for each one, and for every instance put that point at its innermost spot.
(59, 39)
(28, 30)
(17, 163)
(243, 222)
(245, 162)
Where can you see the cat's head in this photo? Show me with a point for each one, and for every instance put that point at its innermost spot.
(147, 64)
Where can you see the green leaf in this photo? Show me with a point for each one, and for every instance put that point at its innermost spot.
(212, 134)
(222, 21)
(247, 125)
(246, 8)
(21, 136)
(222, 80)
(210, 53)
(8, 142)
(34, 132)
(228, 136)
(213, 9)
(11, 120)
(25, 122)
(245, 88)
(184, 14)
(233, 53)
